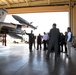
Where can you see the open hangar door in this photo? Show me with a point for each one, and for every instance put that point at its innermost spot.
(43, 10)
(66, 8)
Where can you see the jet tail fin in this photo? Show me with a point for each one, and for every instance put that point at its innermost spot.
(3, 14)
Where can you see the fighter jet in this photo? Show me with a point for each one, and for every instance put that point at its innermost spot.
(13, 29)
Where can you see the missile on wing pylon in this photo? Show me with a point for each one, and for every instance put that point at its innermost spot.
(22, 21)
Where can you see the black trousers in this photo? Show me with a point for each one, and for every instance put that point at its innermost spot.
(38, 45)
(45, 44)
(63, 44)
(30, 46)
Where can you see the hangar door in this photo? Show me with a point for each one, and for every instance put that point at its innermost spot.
(71, 10)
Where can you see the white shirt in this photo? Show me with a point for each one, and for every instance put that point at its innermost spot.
(45, 37)
(69, 36)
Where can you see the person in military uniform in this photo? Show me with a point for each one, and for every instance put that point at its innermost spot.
(31, 40)
(54, 35)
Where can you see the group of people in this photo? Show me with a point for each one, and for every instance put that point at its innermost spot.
(42, 40)
(53, 40)
(56, 40)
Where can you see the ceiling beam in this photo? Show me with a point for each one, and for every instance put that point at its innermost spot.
(18, 0)
(6, 2)
(48, 1)
(35, 3)
(38, 9)
(27, 2)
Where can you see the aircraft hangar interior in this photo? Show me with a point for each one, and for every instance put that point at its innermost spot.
(33, 57)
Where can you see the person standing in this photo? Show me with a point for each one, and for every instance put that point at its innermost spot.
(34, 41)
(31, 40)
(62, 40)
(69, 41)
(45, 39)
(65, 42)
(39, 41)
(53, 41)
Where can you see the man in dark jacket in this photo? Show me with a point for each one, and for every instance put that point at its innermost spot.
(31, 40)
(54, 41)
(39, 41)
(62, 40)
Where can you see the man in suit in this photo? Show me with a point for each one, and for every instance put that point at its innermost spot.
(54, 41)
(31, 40)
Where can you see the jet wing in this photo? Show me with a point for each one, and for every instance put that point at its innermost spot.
(15, 33)
(12, 25)
(15, 36)
(7, 30)
(22, 21)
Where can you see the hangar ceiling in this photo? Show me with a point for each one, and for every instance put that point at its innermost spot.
(9, 4)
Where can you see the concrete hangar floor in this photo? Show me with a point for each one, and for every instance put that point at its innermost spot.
(15, 59)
